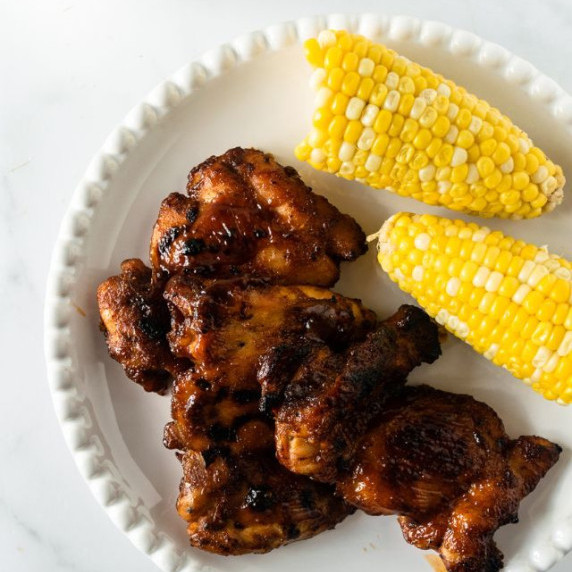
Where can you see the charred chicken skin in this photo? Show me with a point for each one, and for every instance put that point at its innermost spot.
(332, 395)
(135, 320)
(247, 215)
(225, 326)
(235, 495)
(237, 504)
(445, 464)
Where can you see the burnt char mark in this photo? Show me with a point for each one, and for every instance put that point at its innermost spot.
(203, 384)
(307, 499)
(192, 214)
(292, 531)
(168, 238)
(244, 396)
(193, 246)
(218, 432)
(212, 453)
(152, 328)
(259, 499)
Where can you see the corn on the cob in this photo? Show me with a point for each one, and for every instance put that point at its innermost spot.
(508, 299)
(391, 123)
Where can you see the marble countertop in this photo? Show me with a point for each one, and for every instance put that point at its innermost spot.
(71, 70)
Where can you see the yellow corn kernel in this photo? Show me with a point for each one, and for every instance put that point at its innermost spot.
(350, 83)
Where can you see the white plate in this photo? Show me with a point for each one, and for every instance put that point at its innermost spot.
(253, 92)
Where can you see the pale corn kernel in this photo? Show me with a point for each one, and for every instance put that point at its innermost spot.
(563, 273)
(519, 296)
(472, 174)
(355, 108)
(324, 97)
(366, 139)
(417, 273)
(452, 112)
(392, 80)
(549, 185)
(392, 101)
(537, 274)
(476, 125)
(491, 352)
(526, 270)
(452, 134)
(428, 117)
(427, 173)
(317, 156)
(347, 151)
(443, 187)
(493, 282)
(540, 176)
(541, 358)
(453, 285)
(317, 137)
(327, 38)
(422, 241)
(444, 89)
(429, 95)
(565, 346)
(524, 145)
(508, 166)
(318, 78)
(459, 156)
(406, 85)
(369, 114)
(480, 234)
(551, 363)
(373, 163)
(418, 108)
(481, 277)
(347, 169)
(366, 67)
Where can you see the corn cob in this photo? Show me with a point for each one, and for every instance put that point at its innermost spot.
(390, 123)
(508, 299)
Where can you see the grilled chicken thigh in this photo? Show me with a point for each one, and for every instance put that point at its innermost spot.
(235, 495)
(135, 320)
(247, 215)
(444, 462)
(333, 395)
(236, 504)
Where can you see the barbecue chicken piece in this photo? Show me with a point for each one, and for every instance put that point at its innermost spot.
(234, 494)
(134, 320)
(332, 396)
(235, 504)
(445, 464)
(225, 326)
(247, 215)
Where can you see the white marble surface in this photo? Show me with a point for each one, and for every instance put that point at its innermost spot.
(70, 71)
